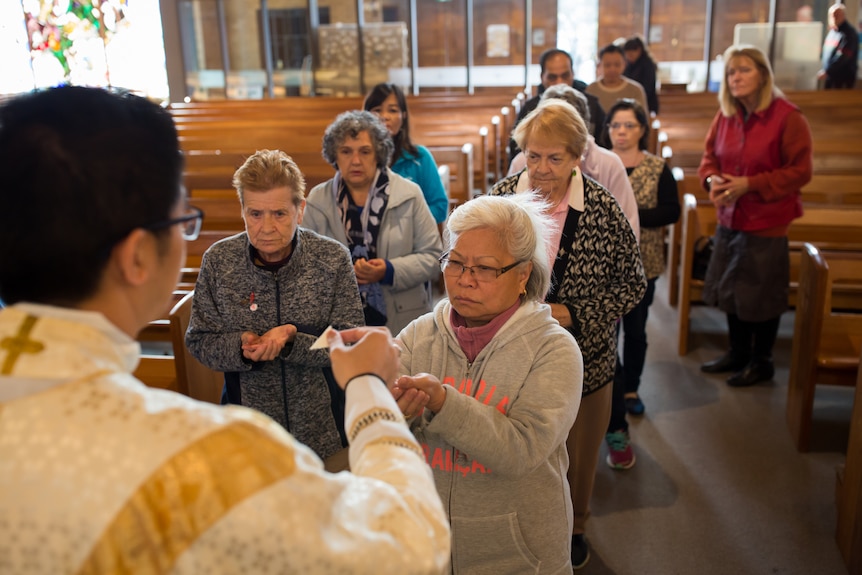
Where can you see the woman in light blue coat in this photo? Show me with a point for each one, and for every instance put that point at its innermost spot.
(381, 217)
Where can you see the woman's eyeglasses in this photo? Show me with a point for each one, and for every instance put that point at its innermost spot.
(455, 269)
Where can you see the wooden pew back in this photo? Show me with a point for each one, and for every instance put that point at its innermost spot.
(826, 343)
(828, 227)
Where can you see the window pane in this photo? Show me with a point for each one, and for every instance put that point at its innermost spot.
(613, 27)
(336, 70)
(202, 57)
(386, 42)
(112, 44)
(291, 51)
(676, 41)
(579, 35)
(16, 75)
(799, 38)
(498, 43)
(442, 40)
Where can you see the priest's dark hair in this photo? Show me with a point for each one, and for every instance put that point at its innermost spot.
(82, 168)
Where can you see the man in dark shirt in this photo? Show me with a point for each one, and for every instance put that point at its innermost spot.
(840, 52)
(557, 68)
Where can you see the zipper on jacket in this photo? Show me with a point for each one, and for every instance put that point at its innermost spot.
(281, 361)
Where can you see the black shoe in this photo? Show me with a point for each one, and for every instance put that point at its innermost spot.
(726, 363)
(580, 551)
(635, 406)
(754, 372)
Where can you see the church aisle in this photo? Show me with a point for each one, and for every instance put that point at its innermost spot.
(718, 486)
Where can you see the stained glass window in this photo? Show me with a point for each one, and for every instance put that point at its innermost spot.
(85, 43)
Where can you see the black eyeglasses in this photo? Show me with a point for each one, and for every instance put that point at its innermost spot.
(191, 224)
(480, 273)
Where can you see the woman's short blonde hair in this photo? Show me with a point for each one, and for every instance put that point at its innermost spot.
(521, 226)
(768, 89)
(268, 169)
(555, 122)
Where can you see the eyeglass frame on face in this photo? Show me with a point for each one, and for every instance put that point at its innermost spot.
(192, 228)
(626, 125)
(445, 261)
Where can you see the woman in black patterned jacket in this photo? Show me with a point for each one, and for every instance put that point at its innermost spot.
(598, 277)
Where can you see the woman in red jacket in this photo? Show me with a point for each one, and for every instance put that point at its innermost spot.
(756, 159)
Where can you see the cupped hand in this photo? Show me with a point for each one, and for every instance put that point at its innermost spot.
(373, 351)
(269, 345)
(426, 383)
(369, 271)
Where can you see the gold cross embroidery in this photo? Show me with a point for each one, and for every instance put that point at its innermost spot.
(19, 344)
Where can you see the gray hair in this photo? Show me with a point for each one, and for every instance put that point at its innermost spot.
(350, 125)
(570, 95)
(521, 226)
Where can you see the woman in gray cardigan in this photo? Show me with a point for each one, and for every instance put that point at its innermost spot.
(503, 391)
(263, 297)
(381, 217)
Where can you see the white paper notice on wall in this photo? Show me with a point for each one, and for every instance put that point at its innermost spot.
(498, 40)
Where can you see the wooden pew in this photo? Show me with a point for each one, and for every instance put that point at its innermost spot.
(826, 342)
(193, 378)
(828, 227)
(217, 136)
(698, 220)
(159, 329)
(685, 121)
(674, 244)
(459, 160)
(221, 212)
(157, 371)
(824, 190)
(848, 501)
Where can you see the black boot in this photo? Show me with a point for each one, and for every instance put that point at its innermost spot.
(731, 361)
(755, 372)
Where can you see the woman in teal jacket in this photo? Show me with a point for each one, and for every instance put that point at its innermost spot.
(409, 160)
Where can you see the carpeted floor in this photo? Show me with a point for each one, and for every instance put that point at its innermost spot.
(718, 487)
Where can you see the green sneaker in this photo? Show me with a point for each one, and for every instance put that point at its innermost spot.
(620, 452)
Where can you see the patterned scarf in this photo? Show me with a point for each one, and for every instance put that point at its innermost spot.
(362, 227)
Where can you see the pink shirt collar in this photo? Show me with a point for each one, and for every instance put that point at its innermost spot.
(474, 339)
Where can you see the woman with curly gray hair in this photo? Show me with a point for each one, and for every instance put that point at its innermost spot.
(381, 217)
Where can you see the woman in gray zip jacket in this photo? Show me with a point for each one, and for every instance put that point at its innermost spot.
(264, 295)
(503, 391)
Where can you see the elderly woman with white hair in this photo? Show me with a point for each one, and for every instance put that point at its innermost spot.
(598, 275)
(493, 387)
(381, 217)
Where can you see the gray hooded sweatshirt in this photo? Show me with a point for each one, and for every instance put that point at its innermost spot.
(497, 447)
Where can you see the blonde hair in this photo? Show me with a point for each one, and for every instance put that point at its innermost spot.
(521, 226)
(768, 89)
(555, 121)
(268, 169)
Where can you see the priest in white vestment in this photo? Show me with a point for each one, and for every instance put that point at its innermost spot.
(101, 474)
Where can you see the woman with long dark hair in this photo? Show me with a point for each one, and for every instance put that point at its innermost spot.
(655, 190)
(409, 160)
(641, 67)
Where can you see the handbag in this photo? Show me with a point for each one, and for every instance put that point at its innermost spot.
(702, 253)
